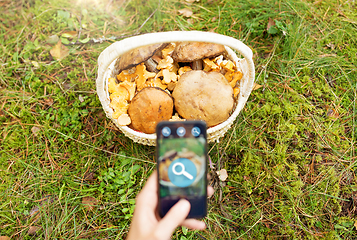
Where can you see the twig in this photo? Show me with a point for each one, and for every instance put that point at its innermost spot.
(102, 39)
(261, 217)
(152, 14)
(100, 149)
(264, 67)
(200, 236)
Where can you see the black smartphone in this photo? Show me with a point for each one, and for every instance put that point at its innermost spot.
(181, 153)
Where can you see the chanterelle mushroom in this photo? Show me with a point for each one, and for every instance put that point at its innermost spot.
(199, 95)
(150, 106)
(195, 52)
(137, 56)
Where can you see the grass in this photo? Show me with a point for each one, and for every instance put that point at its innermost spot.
(290, 156)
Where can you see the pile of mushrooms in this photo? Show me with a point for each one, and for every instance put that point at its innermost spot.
(173, 81)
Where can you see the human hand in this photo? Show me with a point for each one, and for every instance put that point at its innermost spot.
(147, 225)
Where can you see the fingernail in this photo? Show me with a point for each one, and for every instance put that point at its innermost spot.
(203, 225)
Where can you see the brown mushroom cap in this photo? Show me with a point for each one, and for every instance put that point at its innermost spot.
(137, 56)
(199, 95)
(192, 51)
(150, 106)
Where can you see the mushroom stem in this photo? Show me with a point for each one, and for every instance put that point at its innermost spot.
(151, 65)
(197, 65)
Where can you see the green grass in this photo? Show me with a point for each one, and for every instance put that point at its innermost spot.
(290, 156)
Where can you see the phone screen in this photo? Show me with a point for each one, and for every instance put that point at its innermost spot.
(181, 164)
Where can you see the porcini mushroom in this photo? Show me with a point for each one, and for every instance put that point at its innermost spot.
(150, 106)
(199, 95)
(137, 56)
(195, 51)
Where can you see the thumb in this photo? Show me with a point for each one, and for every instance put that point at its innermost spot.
(173, 218)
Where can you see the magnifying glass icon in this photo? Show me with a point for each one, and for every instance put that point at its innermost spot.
(182, 172)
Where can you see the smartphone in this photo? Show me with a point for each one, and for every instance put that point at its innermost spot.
(181, 153)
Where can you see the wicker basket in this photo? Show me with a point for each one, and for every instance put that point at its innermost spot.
(108, 57)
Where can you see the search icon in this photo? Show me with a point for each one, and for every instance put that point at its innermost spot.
(182, 172)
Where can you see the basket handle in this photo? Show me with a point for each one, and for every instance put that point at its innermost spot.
(117, 49)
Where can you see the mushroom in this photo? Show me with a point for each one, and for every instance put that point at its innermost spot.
(236, 77)
(131, 87)
(210, 65)
(171, 86)
(167, 51)
(151, 65)
(165, 63)
(119, 98)
(195, 52)
(124, 119)
(120, 107)
(128, 75)
(236, 91)
(138, 55)
(150, 106)
(184, 69)
(168, 76)
(199, 95)
(143, 75)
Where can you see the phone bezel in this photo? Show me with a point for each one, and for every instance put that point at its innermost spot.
(185, 124)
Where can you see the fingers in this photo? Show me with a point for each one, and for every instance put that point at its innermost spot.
(148, 195)
(151, 183)
(194, 224)
(173, 219)
(210, 191)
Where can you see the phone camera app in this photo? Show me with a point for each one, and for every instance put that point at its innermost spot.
(166, 131)
(181, 131)
(196, 131)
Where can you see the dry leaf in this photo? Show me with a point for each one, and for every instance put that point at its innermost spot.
(256, 86)
(186, 12)
(89, 176)
(271, 23)
(59, 51)
(35, 130)
(81, 99)
(190, 21)
(69, 34)
(332, 113)
(33, 230)
(355, 225)
(192, 1)
(89, 203)
(4, 238)
(222, 175)
(48, 101)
